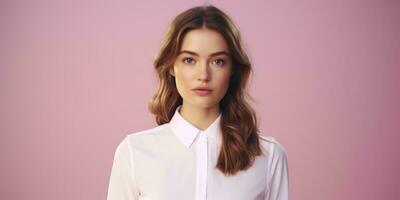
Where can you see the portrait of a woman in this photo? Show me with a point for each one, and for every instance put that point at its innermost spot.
(207, 144)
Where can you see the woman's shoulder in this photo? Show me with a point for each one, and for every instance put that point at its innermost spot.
(271, 144)
(147, 134)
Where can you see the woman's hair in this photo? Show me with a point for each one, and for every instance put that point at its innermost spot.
(240, 142)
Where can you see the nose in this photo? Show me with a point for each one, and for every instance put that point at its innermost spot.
(204, 72)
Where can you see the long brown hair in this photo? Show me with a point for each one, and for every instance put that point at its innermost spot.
(240, 141)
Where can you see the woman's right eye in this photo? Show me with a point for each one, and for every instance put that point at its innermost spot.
(188, 60)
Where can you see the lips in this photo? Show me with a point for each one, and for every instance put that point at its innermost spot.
(202, 91)
(202, 88)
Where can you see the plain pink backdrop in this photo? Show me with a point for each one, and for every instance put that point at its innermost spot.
(76, 76)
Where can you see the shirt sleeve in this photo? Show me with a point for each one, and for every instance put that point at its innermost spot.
(278, 173)
(122, 185)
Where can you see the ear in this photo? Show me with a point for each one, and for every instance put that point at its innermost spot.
(171, 71)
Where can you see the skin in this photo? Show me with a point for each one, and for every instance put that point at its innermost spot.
(201, 68)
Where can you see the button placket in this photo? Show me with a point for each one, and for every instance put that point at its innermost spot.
(201, 152)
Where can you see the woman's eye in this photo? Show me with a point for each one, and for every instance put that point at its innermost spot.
(188, 60)
(218, 62)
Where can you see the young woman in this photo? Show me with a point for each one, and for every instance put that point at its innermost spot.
(207, 144)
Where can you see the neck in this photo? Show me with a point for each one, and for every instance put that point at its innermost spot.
(199, 117)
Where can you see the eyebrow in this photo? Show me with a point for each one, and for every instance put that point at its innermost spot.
(211, 55)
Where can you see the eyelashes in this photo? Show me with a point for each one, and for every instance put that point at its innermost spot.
(190, 60)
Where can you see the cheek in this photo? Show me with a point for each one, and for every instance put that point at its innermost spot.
(182, 80)
(224, 83)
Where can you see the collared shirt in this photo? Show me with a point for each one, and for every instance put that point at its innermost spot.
(176, 161)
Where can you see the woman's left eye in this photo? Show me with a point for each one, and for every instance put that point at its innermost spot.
(188, 60)
(218, 62)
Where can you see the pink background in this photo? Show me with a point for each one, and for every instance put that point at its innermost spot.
(76, 78)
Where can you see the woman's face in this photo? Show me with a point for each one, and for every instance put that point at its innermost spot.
(203, 61)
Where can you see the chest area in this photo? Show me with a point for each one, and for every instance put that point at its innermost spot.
(165, 174)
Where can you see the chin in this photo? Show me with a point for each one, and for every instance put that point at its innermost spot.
(205, 104)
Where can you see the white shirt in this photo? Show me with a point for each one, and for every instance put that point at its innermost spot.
(176, 161)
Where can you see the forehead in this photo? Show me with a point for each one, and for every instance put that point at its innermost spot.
(204, 42)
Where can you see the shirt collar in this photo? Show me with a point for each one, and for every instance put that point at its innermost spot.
(187, 133)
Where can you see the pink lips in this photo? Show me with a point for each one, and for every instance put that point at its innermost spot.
(202, 91)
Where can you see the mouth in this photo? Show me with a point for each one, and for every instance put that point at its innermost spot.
(202, 91)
